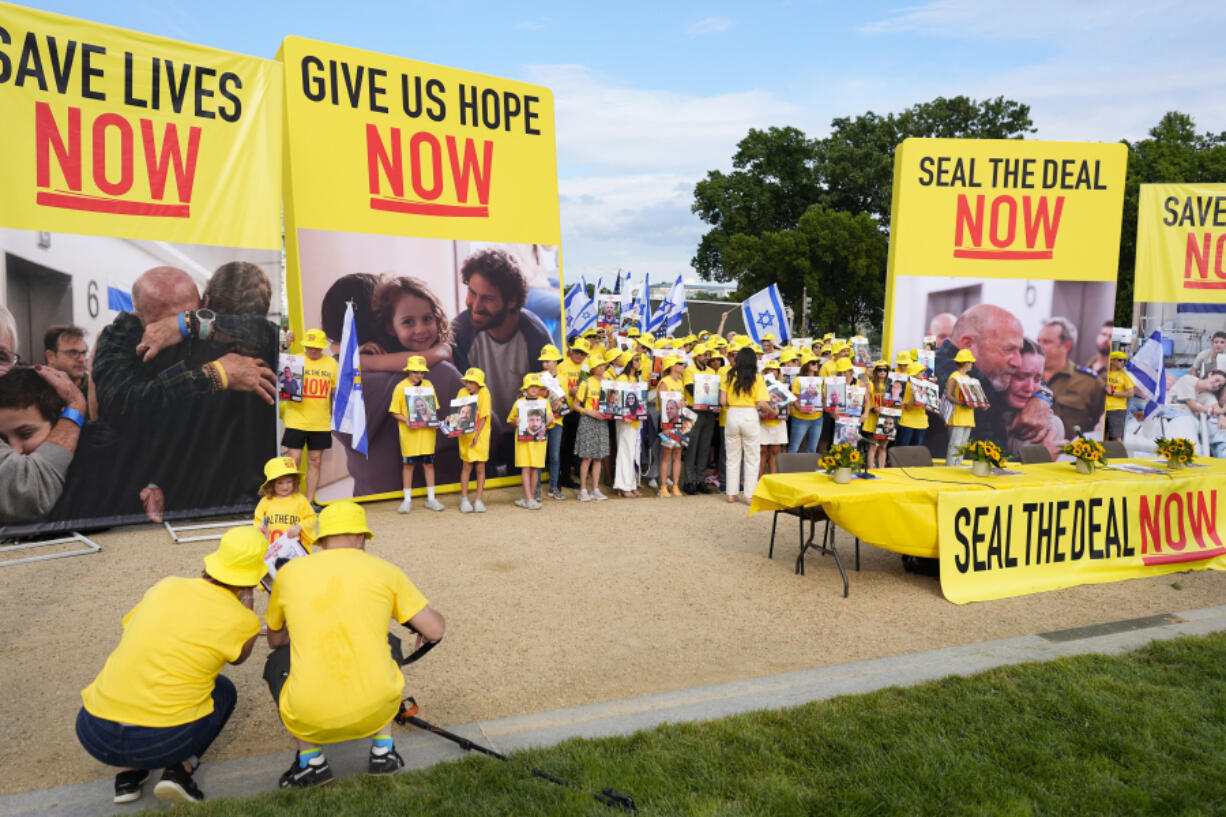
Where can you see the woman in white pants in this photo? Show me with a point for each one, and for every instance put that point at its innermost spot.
(625, 470)
(744, 393)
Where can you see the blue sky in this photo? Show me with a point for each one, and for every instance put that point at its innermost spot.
(651, 96)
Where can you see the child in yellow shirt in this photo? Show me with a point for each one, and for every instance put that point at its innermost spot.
(962, 422)
(475, 447)
(416, 444)
(284, 510)
(530, 453)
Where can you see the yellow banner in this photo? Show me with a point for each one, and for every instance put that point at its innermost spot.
(986, 208)
(1027, 540)
(388, 145)
(1181, 241)
(111, 132)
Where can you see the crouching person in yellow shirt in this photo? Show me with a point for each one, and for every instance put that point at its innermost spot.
(160, 700)
(336, 680)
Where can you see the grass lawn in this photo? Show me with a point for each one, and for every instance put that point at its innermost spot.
(1141, 734)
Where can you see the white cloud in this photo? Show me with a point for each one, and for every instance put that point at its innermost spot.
(710, 25)
(1005, 19)
(529, 25)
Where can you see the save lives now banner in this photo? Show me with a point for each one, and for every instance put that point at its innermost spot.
(136, 168)
(1181, 243)
(427, 198)
(1026, 540)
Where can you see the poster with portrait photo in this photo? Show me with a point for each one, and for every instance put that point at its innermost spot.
(887, 424)
(972, 392)
(836, 392)
(896, 388)
(780, 397)
(855, 400)
(461, 416)
(608, 310)
(611, 397)
(633, 401)
(859, 351)
(671, 405)
(846, 430)
(706, 390)
(926, 393)
(532, 417)
(809, 398)
(789, 373)
(289, 377)
(422, 407)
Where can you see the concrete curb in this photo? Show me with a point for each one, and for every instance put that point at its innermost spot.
(251, 775)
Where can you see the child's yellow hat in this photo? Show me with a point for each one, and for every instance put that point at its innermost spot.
(416, 363)
(316, 339)
(278, 467)
(549, 352)
(531, 379)
(474, 375)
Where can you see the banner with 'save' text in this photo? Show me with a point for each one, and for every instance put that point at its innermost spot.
(1181, 243)
(1027, 540)
(139, 182)
(427, 197)
(1008, 248)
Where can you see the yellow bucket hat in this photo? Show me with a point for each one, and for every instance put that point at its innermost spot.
(624, 358)
(964, 356)
(1117, 355)
(343, 517)
(239, 558)
(671, 361)
(595, 359)
(904, 359)
(611, 355)
(549, 352)
(581, 345)
(316, 339)
(531, 379)
(278, 467)
(416, 363)
(647, 339)
(771, 337)
(700, 349)
(770, 364)
(474, 375)
(844, 365)
(915, 368)
(632, 332)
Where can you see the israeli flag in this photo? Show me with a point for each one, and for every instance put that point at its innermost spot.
(676, 306)
(641, 306)
(1148, 371)
(579, 308)
(763, 314)
(349, 407)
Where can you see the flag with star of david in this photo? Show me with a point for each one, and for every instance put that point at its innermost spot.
(763, 314)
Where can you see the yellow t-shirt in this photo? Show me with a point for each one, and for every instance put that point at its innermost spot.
(872, 395)
(568, 378)
(626, 378)
(801, 415)
(912, 416)
(414, 442)
(282, 513)
(1118, 381)
(476, 447)
(723, 377)
(827, 369)
(736, 399)
(963, 415)
(531, 453)
(588, 396)
(314, 413)
(174, 644)
(343, 683)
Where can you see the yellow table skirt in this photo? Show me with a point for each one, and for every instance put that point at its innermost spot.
(898, 510)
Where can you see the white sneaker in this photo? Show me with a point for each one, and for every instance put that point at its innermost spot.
(651, 483)
(405, 506)
(521, 503)
(434, 505)
(478, 507)
(466, 506)
(557, 494)
(584, 496)
(534, 505)
(599, 497)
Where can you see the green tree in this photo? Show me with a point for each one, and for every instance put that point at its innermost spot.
(1174, 152)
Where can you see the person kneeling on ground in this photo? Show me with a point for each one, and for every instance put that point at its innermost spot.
(160, 702)
(337, 680)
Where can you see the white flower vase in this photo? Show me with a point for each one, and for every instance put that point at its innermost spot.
(841, 476)
(981, 468)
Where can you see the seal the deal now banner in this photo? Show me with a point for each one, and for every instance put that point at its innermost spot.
(139, 199)
(425, 197)
(996, 544)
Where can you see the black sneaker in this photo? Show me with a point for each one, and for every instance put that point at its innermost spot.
(385, 763)
(313, 774)
(128, 785)
(177, 786)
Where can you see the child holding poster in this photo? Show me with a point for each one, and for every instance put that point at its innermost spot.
(550, 358)
(774, 433)
(475, 445)
(531, 417)
(913, 424)
(625, 470)
(308, 421)
(416, 443)
(874, 400)
(592, 438)
(283, 510)
(961, 419)
(671, 397)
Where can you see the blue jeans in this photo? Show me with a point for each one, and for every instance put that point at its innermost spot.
(553, 452)
(156, 747)
(910, 436)
(807, 430)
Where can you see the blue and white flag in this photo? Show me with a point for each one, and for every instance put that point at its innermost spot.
(676, 306)
(1147, 368)
(579, 309)
(349, 407)
(641, 306)
(763, 314)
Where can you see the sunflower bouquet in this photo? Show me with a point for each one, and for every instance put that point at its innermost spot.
(982, 451)
(840, 456)
(1089, 453)
(1178, 451)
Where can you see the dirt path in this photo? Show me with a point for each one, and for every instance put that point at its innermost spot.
(572, 604)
